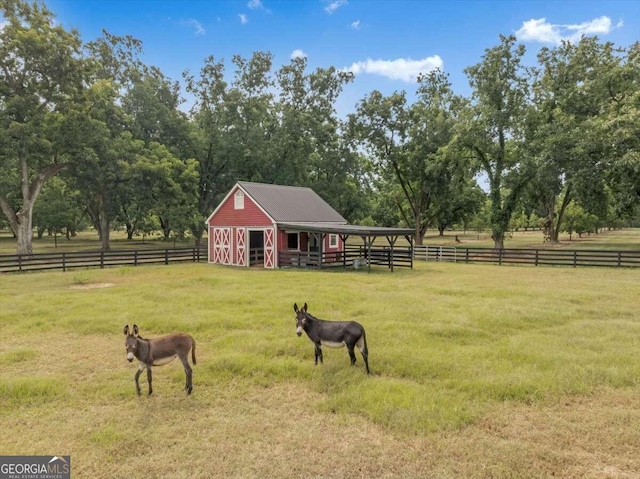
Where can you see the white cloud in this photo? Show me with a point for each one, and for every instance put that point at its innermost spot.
(539, 30)
(355, 25)
(333, 6)
(243, 18)
(253, 4)
(297, 53)
(404, 69)
(198, 29)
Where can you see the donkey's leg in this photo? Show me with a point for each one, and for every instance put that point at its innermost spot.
(149, 378)
(352, 355)
(318, 353)
(138, 373)
(189, 373)
(362, 346)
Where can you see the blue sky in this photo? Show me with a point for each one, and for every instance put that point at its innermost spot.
(385, 42)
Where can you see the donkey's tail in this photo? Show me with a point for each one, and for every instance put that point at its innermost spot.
(364, 339)
(193, 350)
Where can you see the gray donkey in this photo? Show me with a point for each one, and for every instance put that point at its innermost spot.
(333, 334)
(160, 351)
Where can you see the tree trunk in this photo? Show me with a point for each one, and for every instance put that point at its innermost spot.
(130, 230)
(24, 231)
(197, 231)
(22, 221)
(565, 202)
(104, 232)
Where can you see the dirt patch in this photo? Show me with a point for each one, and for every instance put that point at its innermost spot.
(91, 286)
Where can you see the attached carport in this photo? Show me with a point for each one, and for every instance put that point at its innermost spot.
(389, 254)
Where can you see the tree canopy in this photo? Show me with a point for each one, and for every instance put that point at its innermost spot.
(557, 140)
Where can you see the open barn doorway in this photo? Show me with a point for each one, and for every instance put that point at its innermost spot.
(256, 248)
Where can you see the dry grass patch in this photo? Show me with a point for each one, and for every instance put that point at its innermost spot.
(91, 286)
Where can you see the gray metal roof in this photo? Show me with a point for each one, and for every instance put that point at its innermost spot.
(351, 230)
(291, 203)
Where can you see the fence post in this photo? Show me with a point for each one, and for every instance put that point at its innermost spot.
(135, 258)
(20, 263)
(500, 256)
(166, 256)
(64, 263)
(102, 259)
(575, 258)
(619, 257)
(537, 257)
(466, 256)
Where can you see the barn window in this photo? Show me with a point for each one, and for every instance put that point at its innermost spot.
(238, 203)
(292, 241)
(333, 241)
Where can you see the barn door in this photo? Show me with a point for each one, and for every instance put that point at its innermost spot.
(217, 246)
(222, 245)
(226, 245)
(269, 248)
(241, 251)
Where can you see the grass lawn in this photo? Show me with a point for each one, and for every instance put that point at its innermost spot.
(478, 371)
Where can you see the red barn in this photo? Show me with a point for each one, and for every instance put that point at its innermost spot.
(264, 224)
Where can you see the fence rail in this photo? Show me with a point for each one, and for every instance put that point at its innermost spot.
(11, 263)
(352, 257)
(536, 257)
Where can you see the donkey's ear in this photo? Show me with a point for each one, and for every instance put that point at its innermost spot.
(304, 308)
(126, 330)
(295, 307)
(135, 330)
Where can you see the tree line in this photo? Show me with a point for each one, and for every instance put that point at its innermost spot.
(91, 134)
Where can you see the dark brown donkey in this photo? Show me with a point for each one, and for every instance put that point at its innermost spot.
(160, 351)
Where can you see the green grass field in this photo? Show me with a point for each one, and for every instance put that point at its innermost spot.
(478, 371)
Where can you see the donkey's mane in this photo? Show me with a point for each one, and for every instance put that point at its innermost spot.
(313, 317)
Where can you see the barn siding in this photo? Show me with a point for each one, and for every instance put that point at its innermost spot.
(304, 242)
(251, 215)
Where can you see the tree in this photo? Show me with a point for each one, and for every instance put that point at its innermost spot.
(167, 187)
(100, 159)
(307, 146)
(104, 127)
(581, 91)
(492, 130)
(621, 122)
(42, 74)
(58, 209)
(411, 146)
(152, 105)
(380, 128)
(208, 140)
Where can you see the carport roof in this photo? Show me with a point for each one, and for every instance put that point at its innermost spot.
(342, 229)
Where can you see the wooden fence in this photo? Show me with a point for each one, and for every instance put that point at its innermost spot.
(352, 257)
(11, 263)
(356, 257)
(536, 257)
